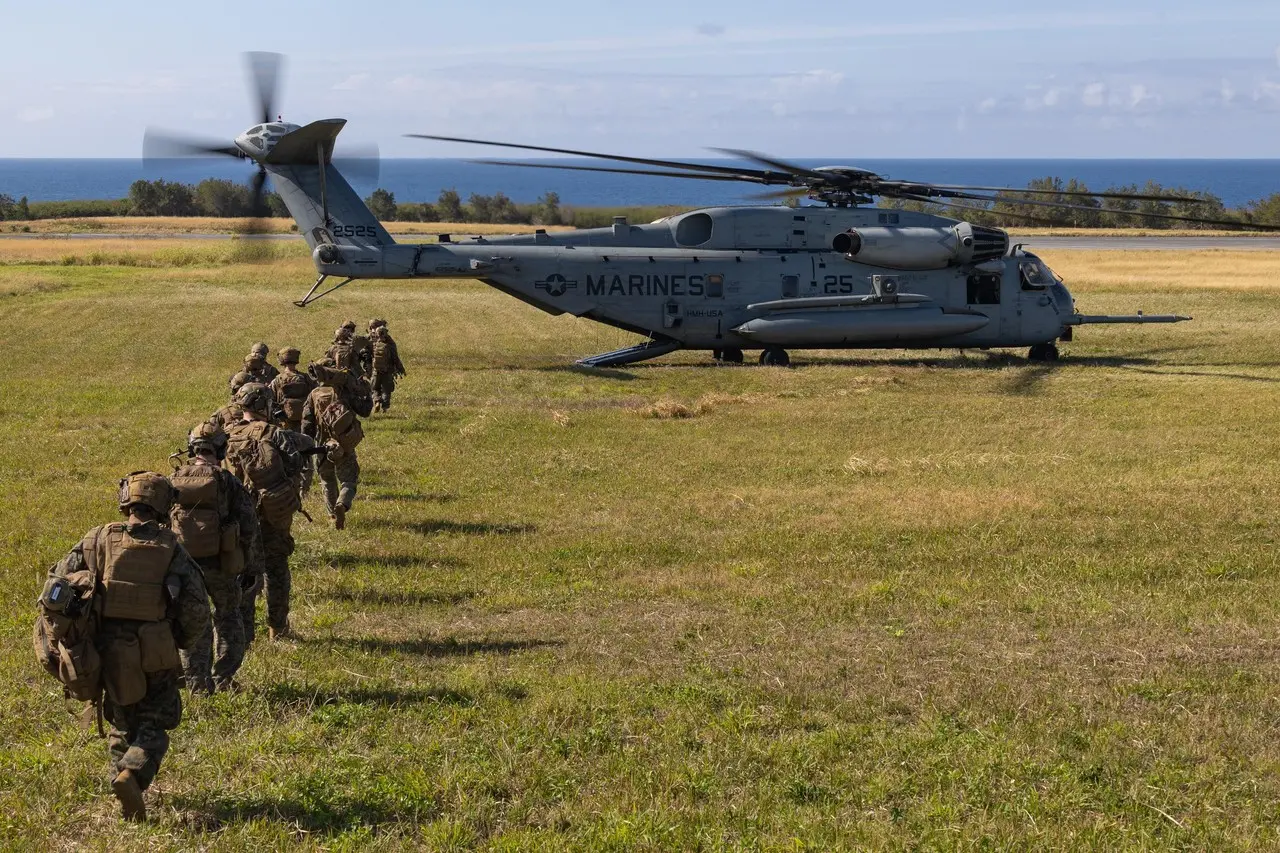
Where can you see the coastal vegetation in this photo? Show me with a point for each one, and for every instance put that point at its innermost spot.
(881, 600)
(227, 199)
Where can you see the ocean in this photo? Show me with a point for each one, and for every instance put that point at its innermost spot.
(1236, 182)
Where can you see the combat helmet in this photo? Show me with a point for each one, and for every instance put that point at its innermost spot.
(149, 489)
(207, 438)
(290, 355)
(255, 397)
(239, 381)
(260, 348)
(377, 323)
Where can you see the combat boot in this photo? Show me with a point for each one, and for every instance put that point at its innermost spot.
(339, 517)
(282, 633)
(126, 789)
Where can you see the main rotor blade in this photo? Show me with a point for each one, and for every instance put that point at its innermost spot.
(1228, 223)
(161, 145)
(1133, 196)
(782, 165)
(970, 209)
(264, 75)
(360, 163)
(694, 176)
(747, 174)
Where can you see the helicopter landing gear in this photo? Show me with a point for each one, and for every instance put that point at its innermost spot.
(1043, 352)
(774, 357)
(732, 355)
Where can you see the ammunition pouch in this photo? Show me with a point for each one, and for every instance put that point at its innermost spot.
(277, 505)
(231, 555)
(157, 650)
(123, 677)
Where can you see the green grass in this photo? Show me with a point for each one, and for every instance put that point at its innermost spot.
(881, 600)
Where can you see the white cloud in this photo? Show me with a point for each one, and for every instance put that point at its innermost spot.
(352, 83)
(1094, 95)
(1051, 97)
(31, 115)
(1227, 91)
(988, 105)
(1140, 96)
(1278, 55)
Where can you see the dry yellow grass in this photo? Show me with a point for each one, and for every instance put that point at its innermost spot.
(1166, 271)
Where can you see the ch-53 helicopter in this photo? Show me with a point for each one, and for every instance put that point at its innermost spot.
(725, 279)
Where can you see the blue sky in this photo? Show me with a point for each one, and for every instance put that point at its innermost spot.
(1138, 78)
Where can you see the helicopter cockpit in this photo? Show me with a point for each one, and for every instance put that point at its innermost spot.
(1034, 274)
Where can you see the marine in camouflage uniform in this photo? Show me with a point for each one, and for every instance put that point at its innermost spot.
(231, 413)
(340, 469)
(164, 587)
(215, 519)
(268, 370)
(384, 365)
(290, 390)
(350, 351)
(265, 458)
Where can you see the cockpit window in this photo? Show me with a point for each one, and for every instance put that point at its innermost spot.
(1035, 275)
(253, 130)
(275, 128)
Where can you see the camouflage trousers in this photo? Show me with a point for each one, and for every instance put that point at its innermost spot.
(204, 666)
(383, 384)
(277, 545)
(139, 735)
(340, 477)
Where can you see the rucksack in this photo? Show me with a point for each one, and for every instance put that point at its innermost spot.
(201, 509)
(343, 355)
(341, 424)
(358, 395)
(66, 626)
(267, 471)
(293, 390)
(381, 354)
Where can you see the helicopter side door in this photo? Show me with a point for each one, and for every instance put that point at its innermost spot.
(989, 293)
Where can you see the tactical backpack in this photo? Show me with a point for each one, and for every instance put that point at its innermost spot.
(341, 424)
(267, 471)
(293, 390)
(200, 511)
(66, 624)
(344, 355)
(381, 354)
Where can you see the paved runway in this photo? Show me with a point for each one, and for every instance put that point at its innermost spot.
(1251, 244)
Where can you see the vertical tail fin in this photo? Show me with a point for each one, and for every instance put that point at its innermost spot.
(320, 200)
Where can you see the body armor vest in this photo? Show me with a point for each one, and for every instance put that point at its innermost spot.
(133, 572)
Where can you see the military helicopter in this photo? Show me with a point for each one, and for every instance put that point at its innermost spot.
(725, 279)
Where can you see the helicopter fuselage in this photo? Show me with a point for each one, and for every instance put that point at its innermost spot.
(754, 277)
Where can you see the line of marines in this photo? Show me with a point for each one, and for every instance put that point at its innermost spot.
(125, 619)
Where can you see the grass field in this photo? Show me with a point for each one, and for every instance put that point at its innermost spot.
(880, 600)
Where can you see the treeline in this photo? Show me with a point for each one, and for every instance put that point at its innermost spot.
(1013, 210)
(499, 209)
(223, 198)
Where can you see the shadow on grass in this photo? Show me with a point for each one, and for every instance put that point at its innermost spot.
(444, 647)
(416, 497)
(333, 812)
(315, 696)
(431, 527)
(406, 598)
(397, 561)
(583, 370)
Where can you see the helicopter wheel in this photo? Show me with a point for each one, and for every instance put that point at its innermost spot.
(1043, 352)
(774, 357)
(731, 355)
